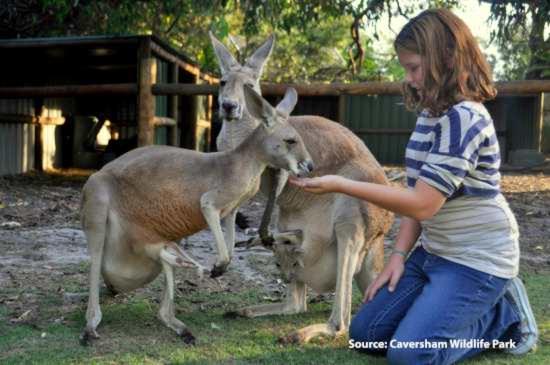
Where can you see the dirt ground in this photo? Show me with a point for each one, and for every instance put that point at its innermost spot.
(42, 246)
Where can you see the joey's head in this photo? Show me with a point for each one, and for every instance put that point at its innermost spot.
(235, 76)
(280, 145)
(289, 254)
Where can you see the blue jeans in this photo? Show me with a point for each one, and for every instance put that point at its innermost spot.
(436, 302)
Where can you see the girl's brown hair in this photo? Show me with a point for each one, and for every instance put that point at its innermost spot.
(454, 67)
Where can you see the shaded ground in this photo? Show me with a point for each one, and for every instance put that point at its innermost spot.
(40, 229)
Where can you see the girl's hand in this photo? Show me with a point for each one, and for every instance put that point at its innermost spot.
(392, 273)
(318, 185)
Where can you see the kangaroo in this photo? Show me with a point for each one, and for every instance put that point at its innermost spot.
(136, 208)
(351, 228)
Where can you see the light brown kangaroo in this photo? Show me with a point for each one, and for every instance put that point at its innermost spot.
(137, 207)
(342, 237)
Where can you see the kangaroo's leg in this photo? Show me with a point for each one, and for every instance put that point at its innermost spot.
(275, 181)
(229, 225)
(167, 313)
(212, 216)
(372, 264)
(350, 238)
(295, 302)
(94, 220)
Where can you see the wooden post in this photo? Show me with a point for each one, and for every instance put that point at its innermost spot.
(173, 131)
(191, 119)
(38, 136)
(538, 122)
(147, 75)
(342, 109)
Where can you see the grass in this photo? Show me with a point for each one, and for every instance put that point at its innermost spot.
(131, 334)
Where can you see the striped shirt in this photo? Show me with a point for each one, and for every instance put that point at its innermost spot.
(457, 153)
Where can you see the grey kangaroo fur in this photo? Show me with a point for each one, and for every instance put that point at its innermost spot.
(138, 206)
(341, 237)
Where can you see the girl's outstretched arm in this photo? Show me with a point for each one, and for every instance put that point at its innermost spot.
(420, 204)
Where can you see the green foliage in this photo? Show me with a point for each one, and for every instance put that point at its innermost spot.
(523, 35)
(318, 40)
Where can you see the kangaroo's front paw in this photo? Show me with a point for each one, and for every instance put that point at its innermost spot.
(217, 271)
(293, 338)
(87, 336)
(237, 313)
(188, 337)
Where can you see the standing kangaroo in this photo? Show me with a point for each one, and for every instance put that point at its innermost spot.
(138, 206)
(351, 228)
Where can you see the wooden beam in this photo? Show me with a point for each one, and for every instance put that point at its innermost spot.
(185, 89)
(160, 52)
(147, 75)
(30, 119)
(523, 87)
(68, 90)
(280, 89)
(99, 41)
(164, 122)
(167, 56)
(174, 99)
(335, 89)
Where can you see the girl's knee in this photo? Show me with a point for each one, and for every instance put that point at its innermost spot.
(365, 327)
(357, 329)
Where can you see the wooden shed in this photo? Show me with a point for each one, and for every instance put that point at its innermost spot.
(81, 101)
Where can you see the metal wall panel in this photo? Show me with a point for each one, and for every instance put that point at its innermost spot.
(520, 121)
(325, 106)
(382, 122)
(16, 148)
(161, 101)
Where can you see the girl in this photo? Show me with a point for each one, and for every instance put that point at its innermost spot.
(457, 293)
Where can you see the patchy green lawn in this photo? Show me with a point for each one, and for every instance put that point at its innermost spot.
(44, 268)
(131, 334)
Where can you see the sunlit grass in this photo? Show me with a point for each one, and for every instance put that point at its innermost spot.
(131, 334)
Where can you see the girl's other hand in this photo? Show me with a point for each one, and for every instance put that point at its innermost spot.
(317, 185)
(391, 273)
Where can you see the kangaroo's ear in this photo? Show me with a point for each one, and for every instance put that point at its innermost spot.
(258, 107)
(225, 58)
(258, 59)
(286, 106)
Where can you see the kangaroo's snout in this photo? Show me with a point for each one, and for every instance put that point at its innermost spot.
(305, 167)
(308, 165)
(229, 106)
(230, 109)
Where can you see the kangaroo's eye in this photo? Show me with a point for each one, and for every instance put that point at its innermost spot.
(295, 264)
(250, 85)
(222, 83)
(278, 265)
(290, 141)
